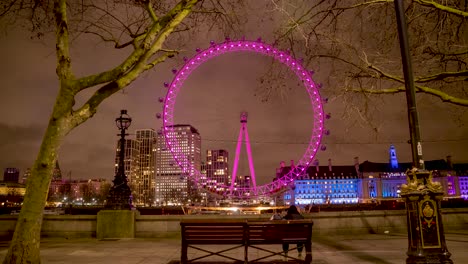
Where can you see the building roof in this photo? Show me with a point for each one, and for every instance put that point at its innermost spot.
(461, 169)
(368, 166)
(192, 129)
(336, 170)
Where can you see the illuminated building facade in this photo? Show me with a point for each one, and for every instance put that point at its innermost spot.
(368, 182)
(144, 184)
(139, 164)
(216, 170)
(11, 193)
(173, 186)
(131, 166)
(78, 192)
(323, 185)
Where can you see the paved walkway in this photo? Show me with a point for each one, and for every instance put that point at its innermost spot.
(379, 248)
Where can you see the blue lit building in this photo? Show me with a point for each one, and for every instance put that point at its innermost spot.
(368, 181)
(324, 184)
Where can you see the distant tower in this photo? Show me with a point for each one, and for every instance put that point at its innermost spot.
(393, 158)
(243, 131)
(57, 173)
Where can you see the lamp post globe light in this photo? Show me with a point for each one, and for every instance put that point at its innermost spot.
(119, 197)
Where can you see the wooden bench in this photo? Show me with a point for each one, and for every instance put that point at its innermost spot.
(246, 234)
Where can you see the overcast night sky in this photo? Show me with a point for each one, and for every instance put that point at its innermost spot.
(211, 101)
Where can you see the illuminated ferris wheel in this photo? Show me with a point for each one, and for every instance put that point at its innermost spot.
(258, 47)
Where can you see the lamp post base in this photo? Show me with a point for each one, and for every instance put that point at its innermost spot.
(426, 237)
(119, 198)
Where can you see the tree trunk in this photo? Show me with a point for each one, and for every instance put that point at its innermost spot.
(24, 247)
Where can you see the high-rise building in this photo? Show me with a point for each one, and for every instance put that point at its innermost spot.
(145, 179)
(131, 165)
(131, 158)
(216, 169)
(173, 186)
(11, 175)
(139, 162)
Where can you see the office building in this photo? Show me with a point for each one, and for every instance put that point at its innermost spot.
(173, 186)
(139, 165)
(216, 170)
(144, 183)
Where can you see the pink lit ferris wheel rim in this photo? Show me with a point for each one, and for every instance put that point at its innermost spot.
(228, 46)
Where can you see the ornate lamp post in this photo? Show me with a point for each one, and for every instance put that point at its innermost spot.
(426, 237)
(119, 197)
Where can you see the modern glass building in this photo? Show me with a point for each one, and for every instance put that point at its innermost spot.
(172, 185)
(139, 163)
(145, 181)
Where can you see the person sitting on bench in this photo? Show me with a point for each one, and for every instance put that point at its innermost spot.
(293, 214)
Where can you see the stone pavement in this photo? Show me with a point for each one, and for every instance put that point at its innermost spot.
(368, 248)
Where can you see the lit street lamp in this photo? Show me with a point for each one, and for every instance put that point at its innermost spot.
(119, 197)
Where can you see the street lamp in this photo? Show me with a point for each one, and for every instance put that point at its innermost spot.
(119, 197)
(426, 237)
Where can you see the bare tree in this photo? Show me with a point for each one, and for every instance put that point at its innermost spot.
(355, 44)
(149, 31)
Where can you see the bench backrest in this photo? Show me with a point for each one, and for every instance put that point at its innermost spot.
(209, 231)
(217, 231)
(280, 231)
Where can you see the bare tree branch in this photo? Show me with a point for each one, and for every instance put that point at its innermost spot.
(441, 7)
(136, 63)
